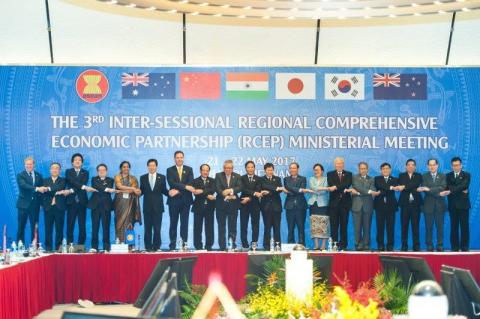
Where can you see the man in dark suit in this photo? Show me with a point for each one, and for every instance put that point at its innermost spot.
(385, 207)
(101, 204)
(363, 192)
(228, 186)
(340, 201)
(295, 203)
(458, 182)
(179, 178)
(250, 206)
(434, 187)
(153, 186)
(410, 202)
(271, 205)
(54, 206)
(77, 179)
(28, 203)
(203, 208)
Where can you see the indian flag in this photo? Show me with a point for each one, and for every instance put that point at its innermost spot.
(246, 85)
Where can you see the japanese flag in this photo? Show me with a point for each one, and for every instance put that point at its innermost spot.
(295, 86)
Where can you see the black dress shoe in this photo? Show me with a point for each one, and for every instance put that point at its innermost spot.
(416, 248)
(465, 249)
(381, 248)
(430, 249)
(440, 249)
(404, 248)
(389, 248)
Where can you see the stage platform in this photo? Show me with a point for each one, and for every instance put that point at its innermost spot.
(29, 287)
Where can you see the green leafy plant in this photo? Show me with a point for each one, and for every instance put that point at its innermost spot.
(191, 297)
(392, 291)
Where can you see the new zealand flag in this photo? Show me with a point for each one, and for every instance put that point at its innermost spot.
(390, 86)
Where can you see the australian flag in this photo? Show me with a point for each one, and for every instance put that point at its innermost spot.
(148, 85)
(389, 86)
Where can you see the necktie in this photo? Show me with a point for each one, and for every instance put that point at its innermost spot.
(456, 175)
(386, 179)
(204, 181)
(179, 170)
(78, 172)
(340, 176)
(152, 181)
(228, 181)
(250, 178)
(32, 177)
(433, 177)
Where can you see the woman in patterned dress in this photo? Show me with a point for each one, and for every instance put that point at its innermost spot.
(318, 202)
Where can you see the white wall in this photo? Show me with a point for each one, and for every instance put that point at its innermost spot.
(85, 36)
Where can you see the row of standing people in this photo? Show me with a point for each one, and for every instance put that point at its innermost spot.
(330, 201)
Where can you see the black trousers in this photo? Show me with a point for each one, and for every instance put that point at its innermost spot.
(54, 217)
(410, 214)
(204, 217)
(385, 222)
(104, 216)
(31, 215)
(296, 218)
(177, 212)
(459, 229)
(339, 219)
(271, 219)
(227, 216)
(152, 226)
(74, 211)
(247, 212)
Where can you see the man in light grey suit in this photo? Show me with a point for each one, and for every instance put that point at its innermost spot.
(434, 187)
(363, 190)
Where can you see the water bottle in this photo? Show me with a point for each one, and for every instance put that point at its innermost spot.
(64, 246)
(6, 258)
(180, 244)
(330, 244)
(14, 247)
(117, 241)
(71, 249)
(21, 247)
(272, 245)
(230, 244)
(40, 249)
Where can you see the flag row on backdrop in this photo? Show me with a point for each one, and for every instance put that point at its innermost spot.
(256, 86)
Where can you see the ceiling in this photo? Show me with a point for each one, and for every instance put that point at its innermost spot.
(299, 9)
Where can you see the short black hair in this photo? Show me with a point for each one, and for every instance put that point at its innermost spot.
(319, 165)
(152, 160)
(125, 162)
(76, 155)
(268, 165)
(294, 163)
(432, 159)
(56, 163)
(178, 152)
(103, 165)
(249, 162)
(410, 160)
(456, 159)
(204, 164)
(385, 164)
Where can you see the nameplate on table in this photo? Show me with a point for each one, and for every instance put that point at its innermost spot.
(119, 248)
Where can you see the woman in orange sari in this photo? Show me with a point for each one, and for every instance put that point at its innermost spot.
(126, 202)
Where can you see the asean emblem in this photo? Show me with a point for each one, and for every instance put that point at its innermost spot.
(92, 86)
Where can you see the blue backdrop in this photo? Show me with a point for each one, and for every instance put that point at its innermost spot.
(363, 114)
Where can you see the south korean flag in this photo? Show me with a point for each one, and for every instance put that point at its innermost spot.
(344, 86)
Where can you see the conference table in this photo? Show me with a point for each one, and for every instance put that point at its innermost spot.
(34, 285)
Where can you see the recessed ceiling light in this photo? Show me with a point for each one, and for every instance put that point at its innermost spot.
(466, 9)
(204, 4)
(225, 6)
(266, 17)
(131, 5)
(391, 6)
(112, 2)
(441, 12)
(392, 16)
(248, 7)
(414, 4)
(194, 13)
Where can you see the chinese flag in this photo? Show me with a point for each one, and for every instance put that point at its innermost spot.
(200, 85)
